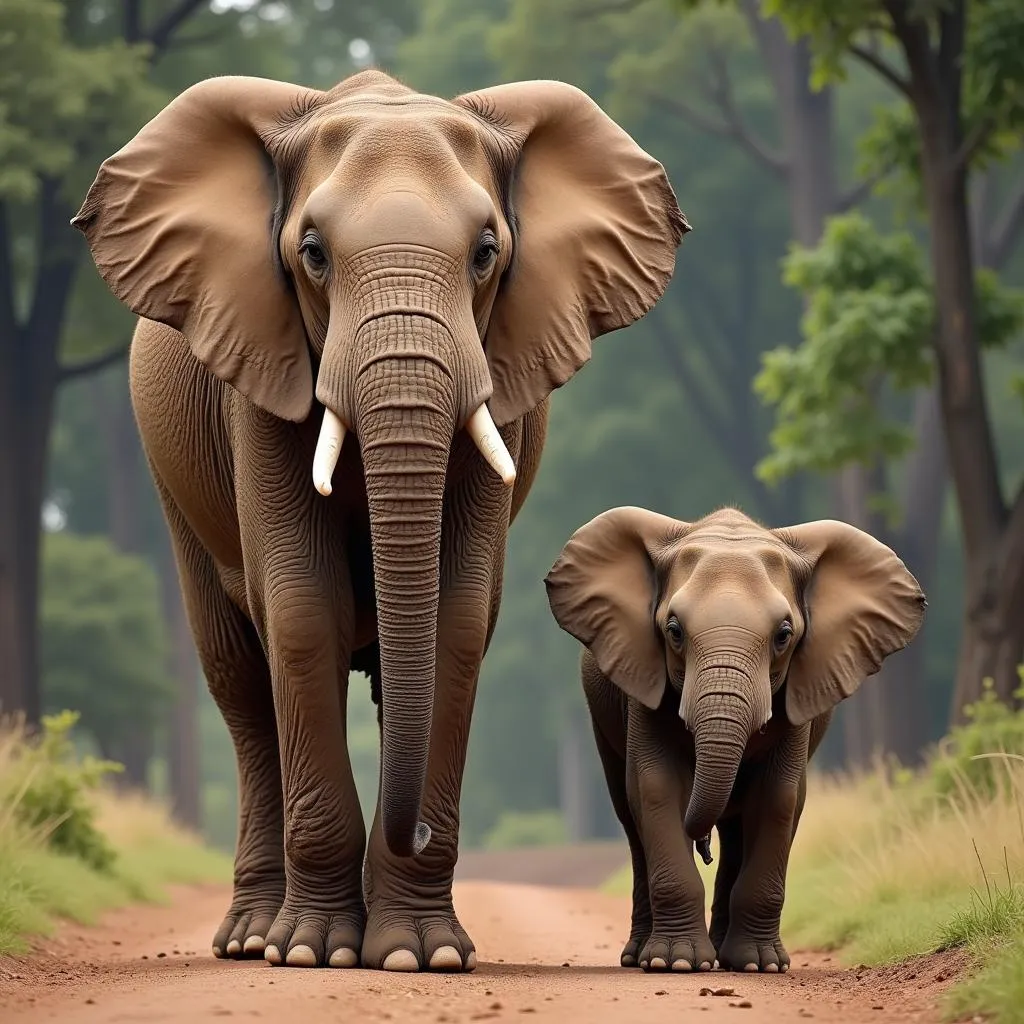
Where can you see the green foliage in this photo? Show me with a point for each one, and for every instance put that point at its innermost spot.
(971, 754)
(61, 102)
(104, 646)
(526, 828)
(867, 330)
(49, 790)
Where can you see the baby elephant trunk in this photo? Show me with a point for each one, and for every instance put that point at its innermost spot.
(722, 719)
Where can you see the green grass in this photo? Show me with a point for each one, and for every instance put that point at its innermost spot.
(43, 880)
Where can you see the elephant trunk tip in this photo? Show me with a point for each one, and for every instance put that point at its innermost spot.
(698, 827)
(402, 845)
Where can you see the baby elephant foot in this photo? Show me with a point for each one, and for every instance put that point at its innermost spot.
(677, 951)
(243, 931)
(307, 935)
(743, 953)
(428, 937)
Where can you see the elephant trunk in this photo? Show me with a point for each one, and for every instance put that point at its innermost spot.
(406, 410)
(722, 720)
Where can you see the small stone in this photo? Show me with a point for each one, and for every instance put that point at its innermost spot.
(661, 992)
(494, 1006)
(90, 1002)
(160, 956)
(877, 1007)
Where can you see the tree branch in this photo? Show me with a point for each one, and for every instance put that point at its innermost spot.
(973, 141)
(883, 67)
(1006, 229)
(723, 95)
(94, 365)
(725, 129)
(856, 194)
(163, 32)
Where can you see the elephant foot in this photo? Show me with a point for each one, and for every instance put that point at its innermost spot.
(688, 950)
(428, 937)
(744, 953)
(630, 956)
(307, 935)
(243, 932)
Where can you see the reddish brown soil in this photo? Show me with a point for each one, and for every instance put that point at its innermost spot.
(546, 954)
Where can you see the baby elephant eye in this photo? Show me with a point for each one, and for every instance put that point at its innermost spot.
(675, 631)
(782, 636)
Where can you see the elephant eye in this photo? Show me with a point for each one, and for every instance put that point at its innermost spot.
(313, 254)
(486, 253)
(782, 636)
(674, 630)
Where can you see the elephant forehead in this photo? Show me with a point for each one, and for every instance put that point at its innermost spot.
(751, 563)
(424, 136)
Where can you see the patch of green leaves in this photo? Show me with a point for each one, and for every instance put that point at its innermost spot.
(867, 331)
(48, 792)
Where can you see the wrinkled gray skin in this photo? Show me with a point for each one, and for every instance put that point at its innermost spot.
(714, 653)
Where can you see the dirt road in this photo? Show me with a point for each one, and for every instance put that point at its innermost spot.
(546, 954)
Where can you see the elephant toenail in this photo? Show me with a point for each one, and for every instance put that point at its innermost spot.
(217, 952)
(471, 960)
(658, 964)
(705, 966)
(272, 955)
(446, 958)
(253, 944)
(644, 964)
(401, 960)
(234, 947)
(343, 958)
(627, 960)
(784, 968)
(771, 968)
(750, 967)
(681, 965)
(301, 956)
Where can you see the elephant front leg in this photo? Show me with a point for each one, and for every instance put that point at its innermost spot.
(771, 809)
(322, 918)
(411, 922)
(658, 785)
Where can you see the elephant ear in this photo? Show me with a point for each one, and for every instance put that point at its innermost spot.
(863, 605)
(603, 590)
(179, 224)
(597, 228)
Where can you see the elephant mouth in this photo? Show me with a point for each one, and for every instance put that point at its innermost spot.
(480, 427)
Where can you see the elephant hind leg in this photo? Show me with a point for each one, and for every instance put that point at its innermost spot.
(236, 671)
(614, 766)
(730, 842)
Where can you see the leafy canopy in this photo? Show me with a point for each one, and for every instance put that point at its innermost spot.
(867, 329)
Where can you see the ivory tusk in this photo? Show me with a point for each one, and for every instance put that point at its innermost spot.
(328, 448)
(486, 437)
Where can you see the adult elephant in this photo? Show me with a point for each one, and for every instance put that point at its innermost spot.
(423, 261)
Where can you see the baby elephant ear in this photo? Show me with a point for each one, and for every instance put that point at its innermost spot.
(863, 605)
(603, 590)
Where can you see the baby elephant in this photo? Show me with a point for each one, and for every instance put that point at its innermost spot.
(714, 654)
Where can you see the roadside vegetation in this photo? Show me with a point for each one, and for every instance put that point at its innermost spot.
(71, 846)
(892, 864)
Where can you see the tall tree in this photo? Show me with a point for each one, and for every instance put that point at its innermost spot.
(959, 67)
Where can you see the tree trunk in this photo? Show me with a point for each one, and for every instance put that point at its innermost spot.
(993, 539)
(183, 754)
(125, 478)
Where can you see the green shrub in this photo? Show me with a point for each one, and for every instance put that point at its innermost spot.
(48, 786)
(526, 828)
(965, 756)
